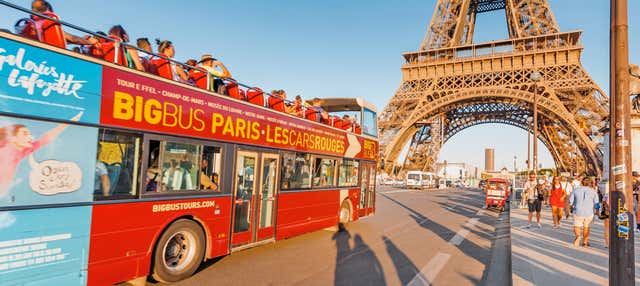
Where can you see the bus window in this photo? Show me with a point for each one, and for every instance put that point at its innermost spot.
(117, 164)
(369, 122)
(348, 174)
(295, 171)
(173, 166)
(324, 172)
(210, 169)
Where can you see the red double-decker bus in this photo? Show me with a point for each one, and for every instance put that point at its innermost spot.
(110, 174)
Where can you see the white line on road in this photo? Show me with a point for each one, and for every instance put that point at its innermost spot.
(480, 212)
(459, 237)
(430, 271)
(400, 191)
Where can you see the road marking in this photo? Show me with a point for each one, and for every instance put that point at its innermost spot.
(480, 212)
(430, 271)
(400, 191)
(459, 237)
(471, 222)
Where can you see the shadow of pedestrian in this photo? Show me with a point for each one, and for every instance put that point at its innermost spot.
(404, 266)
(357, 265)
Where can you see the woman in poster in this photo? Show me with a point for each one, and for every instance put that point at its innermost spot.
(16, 143)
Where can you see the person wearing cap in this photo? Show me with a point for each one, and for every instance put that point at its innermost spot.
(217, 69)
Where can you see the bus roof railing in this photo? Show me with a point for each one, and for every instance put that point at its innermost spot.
(338, 104)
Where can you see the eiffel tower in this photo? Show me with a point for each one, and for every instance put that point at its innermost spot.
(451, 84)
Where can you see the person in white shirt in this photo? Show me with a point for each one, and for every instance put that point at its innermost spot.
(534, 201)
(217, 70)
(567, 187)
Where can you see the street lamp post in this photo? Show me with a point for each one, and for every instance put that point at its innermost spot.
(529, 121)
(535, 77)
(621, 248)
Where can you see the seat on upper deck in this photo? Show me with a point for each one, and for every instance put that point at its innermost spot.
(162, 67)
(235, 91)
(276, 103)
(255, 95)
(312, 114)
(201, 78)
(113, 51)
(42, 29)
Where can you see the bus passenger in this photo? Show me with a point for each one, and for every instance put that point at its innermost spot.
(167, 49)
(321, 114)
(216, 69)
(145, 58)
(102, 184)
(44, 7)
(207, 183)
(118, 33)
(296, 108)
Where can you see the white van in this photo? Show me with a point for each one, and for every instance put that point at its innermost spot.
(419, 179)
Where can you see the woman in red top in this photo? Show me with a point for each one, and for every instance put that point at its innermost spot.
(557, 201)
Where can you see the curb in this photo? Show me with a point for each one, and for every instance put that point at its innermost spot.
(499, 270)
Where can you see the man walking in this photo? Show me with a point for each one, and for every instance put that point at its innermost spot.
(584, 200)
(567, 187)
(534, 199)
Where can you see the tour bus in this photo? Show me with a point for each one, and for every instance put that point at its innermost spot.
(419, 179)
(110, 174)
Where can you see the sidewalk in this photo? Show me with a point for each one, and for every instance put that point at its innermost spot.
(547, 256)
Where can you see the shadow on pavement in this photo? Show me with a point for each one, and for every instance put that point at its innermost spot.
(358, 263)
(404, 266)
(469, 248)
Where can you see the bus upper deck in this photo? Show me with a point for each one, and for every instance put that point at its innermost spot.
(47, 28)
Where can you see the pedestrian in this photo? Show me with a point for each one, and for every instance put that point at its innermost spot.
(557, 200)
(605, 216)
(534, 199)
(584, 200)
(567, 187)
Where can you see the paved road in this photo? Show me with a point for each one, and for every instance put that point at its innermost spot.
(438, 237)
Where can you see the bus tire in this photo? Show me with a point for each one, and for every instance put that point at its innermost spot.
(179, 251)
(345, 212)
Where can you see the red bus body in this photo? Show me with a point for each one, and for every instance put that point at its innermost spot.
(124, 232)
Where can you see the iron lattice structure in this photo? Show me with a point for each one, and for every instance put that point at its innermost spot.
(451, 84)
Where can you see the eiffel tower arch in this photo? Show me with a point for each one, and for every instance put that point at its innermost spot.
(451, 84)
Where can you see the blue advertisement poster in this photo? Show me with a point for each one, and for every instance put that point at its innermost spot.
(46, 162)
(37, 82)
(45, 246)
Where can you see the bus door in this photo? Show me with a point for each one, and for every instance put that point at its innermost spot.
(255, 197)
(367, 189)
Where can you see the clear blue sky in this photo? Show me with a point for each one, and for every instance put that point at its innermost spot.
(334, 48)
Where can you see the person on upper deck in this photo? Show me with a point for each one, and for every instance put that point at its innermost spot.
(44, 7)
(322, 115)
(217, 69)
(167, 49)
(145, 58)
(118, 33)
(296, 109)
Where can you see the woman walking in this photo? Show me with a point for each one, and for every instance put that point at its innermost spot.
(557, 200)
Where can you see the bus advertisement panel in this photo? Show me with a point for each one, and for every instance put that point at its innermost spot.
(38, 247)
(142, 103)
(45, 163)
(37, 82)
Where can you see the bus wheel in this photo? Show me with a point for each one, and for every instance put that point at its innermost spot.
(345, 212)
(179, 251)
